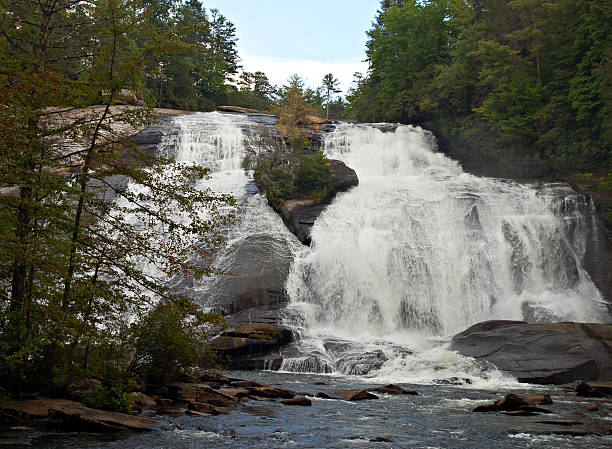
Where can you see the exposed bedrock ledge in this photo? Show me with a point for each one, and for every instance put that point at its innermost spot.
(252, 347)
(300, 215)
(543, 353)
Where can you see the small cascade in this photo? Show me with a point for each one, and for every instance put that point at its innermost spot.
(259, 249)
(421, 248)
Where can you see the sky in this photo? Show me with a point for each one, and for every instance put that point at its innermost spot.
(310, 38)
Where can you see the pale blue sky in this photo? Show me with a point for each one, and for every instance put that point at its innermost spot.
(311, 37)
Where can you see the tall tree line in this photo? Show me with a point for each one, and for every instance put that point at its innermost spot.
(83, 258)
(526, 82)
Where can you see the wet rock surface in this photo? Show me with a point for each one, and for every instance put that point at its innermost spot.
(255, 292)
(394, 389)
(353, 395)
(240, 348)
(544, 353)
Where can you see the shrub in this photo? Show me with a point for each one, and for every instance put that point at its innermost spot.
(306, 175)
(113, 398)
(169, 339)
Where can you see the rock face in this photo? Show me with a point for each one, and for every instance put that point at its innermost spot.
(79, 418)
(255, 292)
(239, 348)
(544, 353)
(149, 138)
(300, 214)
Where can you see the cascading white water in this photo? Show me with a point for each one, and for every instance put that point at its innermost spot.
(221, 142)
(422, 248)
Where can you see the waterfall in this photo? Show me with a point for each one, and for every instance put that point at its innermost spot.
(258, 247)
(421, 248)
(418, 251)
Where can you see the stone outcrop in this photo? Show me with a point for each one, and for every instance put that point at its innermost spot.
(33, 408)
(543, 353)
(300, 214)
(255, 292)
(76, 417)
(239, 348)
(239, 110)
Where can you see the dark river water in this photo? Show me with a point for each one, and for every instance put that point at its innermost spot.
(440, 417)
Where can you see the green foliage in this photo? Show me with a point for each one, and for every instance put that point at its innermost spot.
(170, 339)
(196, 56)
(112, 398)
(605, 183)
(72, 263)
(313, 176)
(304, 175)
(534, 73)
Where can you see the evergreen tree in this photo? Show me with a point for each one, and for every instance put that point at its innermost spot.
(329, 85)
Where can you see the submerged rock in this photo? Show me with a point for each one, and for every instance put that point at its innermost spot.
(543, 353)
(453, 381)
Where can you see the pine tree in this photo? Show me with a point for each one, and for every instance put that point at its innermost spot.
(329, 84)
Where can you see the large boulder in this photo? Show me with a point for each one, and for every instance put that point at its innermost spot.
(249, 342)
(300, 214)
(354, 395)
(542, 353)
(78, 418)
(32, 408)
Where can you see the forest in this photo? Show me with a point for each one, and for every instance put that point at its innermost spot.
(524, 83)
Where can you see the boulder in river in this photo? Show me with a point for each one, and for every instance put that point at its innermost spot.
(543, 353)
(354, 395)
(589, 391)
(394, 389)
(304, 402)
(271, 393)
(515, 403)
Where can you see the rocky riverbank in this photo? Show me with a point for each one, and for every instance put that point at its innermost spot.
(233, 410)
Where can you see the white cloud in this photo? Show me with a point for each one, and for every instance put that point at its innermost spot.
(279, 70)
